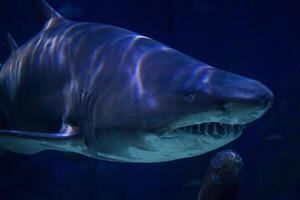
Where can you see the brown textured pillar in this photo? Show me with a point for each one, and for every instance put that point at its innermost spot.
(222, 178)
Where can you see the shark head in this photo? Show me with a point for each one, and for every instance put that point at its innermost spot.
(170, 106)
(151, 103)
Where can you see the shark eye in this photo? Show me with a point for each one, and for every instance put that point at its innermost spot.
(190, 96)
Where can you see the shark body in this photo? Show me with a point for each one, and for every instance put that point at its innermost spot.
(112, 94)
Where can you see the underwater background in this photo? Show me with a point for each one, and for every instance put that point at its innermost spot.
(259, 39)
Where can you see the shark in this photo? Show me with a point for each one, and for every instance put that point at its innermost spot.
(113, 94)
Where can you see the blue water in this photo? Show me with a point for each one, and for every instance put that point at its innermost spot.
(254, 38)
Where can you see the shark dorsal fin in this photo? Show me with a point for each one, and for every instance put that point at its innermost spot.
(12, 43)
(47, 14)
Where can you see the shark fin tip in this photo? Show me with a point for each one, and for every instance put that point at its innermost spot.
(45, 11)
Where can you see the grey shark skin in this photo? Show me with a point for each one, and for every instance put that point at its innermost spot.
(113, 94)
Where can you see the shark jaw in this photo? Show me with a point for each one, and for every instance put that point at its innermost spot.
(208, 130)
(181, 142)
(183, 137)
(148, 147)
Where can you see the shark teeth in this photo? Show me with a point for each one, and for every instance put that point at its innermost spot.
(212, 129)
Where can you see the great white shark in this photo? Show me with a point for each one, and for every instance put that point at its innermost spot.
(112, 94)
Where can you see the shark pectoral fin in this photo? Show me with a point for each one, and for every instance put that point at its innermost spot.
(65, 132)
(27, 142)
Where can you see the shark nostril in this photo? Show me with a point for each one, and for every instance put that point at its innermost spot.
(266, 99)
(265, 103)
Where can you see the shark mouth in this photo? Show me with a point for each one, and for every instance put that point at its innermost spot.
(211, 129)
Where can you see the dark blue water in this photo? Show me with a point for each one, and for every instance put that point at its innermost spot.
(254, 38)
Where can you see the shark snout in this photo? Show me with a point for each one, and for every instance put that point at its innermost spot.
(241, 99)
(254, 100)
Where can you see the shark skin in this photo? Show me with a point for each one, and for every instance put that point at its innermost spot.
(112, 94)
